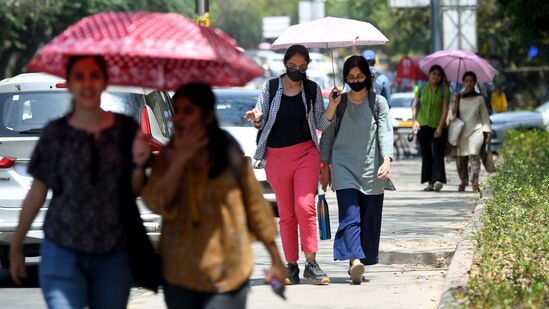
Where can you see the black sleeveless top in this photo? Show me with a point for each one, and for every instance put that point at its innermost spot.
(290, 127)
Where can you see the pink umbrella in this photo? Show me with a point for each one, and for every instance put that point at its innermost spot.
(330, 32)
(152, 50)
(456, 62)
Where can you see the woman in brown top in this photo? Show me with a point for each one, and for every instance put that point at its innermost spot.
(212, 208)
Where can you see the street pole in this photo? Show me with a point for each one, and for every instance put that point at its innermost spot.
(436, 37)
(202, 12)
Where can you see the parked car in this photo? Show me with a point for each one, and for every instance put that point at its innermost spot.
(231, 106)
(401, 109)
(501, 122)
(27, 103)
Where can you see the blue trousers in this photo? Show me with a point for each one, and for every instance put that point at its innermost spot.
(177, 297)
(359, 227)
(70, 279)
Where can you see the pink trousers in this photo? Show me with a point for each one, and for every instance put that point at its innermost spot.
(293, 174)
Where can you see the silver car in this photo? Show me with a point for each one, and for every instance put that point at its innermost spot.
(27, 103)
(231, 106)
(501, 122)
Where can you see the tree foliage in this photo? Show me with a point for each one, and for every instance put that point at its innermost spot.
(506, 28)
(28, 24)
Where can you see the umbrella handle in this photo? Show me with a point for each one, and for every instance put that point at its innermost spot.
(333, 70)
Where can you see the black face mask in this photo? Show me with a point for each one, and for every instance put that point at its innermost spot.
(357, 86)
(295, 75)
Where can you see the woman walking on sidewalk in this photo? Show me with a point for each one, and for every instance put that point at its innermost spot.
(289, 145)
(470, 107)
(356, 154)
(85, 158)
(429, 111)
(211, 207)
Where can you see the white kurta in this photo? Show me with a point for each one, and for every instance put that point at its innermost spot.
(474, 113)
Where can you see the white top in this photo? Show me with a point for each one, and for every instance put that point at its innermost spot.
(474, 113)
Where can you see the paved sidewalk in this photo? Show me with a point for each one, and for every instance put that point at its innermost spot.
(420, 231)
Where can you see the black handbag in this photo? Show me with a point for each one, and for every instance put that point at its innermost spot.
(145, 262)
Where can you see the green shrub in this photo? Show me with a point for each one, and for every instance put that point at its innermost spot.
(514, 240)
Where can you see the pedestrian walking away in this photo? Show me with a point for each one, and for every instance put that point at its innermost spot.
(356, 153)
(381, 81)
(212, 208)
(470, 107)
(288, 143)
(85, 158)
(429, 113)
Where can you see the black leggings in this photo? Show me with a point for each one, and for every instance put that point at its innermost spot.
(432, 154)
(179, 297)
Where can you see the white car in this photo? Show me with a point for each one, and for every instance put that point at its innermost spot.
(231, 106)
(401, 109)
(27, 103)
(501, 122)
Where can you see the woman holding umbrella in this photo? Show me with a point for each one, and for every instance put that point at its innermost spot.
(356, 154)
(429, 112)
(85, 158)
(289, 145)
(470, 107)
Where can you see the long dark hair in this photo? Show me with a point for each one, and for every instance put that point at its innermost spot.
(362, 64)
(442, 74)
(470, 73)
(219, 141)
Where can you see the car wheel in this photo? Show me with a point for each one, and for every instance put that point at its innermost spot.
(4, 261)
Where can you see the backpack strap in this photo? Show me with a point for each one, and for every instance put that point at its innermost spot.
(310, 89)
(374, 106)
(340, 111)
(273, 87)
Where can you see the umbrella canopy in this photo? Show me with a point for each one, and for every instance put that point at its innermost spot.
(456, 62)
(329, 32)
(151, 50)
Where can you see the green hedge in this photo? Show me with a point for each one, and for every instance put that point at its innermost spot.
(513, 243)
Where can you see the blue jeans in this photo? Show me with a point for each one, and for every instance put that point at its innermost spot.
(359, 227)
(74, 280)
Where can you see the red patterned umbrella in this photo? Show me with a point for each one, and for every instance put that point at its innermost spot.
(152, 50)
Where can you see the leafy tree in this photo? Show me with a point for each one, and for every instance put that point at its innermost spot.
(239, 19)
(28, 24)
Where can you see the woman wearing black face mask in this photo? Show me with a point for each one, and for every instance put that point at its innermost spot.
(356, 153)
(289, 145)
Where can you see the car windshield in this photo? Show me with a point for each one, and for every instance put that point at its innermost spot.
(231, 107)
(401, 102)
(29, 112)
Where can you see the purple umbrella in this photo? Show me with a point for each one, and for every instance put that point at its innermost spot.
(456, 62)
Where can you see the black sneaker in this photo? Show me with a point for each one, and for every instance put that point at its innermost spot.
(314, 273)
(293, 274)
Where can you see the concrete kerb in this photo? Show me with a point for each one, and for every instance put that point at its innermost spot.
(459, 270)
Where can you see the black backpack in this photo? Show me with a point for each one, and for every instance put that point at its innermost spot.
(340, 111)
(374, 107)
(310, 96)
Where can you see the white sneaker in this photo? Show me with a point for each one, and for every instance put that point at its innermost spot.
(438, 186)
